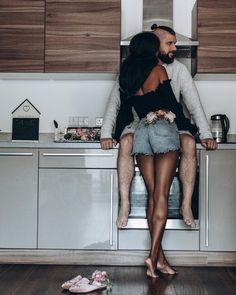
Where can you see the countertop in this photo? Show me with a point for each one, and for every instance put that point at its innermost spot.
(46, 140)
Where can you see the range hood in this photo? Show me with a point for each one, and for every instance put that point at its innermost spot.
(160, 12)
(181, 40)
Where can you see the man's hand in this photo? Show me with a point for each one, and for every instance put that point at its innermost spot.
(107, 143)
(209, 143)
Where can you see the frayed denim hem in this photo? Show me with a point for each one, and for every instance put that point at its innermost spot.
(156, 152)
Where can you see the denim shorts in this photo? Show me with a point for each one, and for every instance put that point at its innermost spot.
(157, 137)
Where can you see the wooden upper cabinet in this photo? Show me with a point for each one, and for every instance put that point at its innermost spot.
(22, 35)
(217, 36)
(82, 36)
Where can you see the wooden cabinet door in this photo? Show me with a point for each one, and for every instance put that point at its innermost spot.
(217, 36)
(22, 36)
(82, 35)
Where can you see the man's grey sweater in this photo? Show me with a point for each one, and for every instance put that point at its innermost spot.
(182, 85)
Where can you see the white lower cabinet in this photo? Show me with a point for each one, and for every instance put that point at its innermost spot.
(68, 199)
(18, 198)
(77, 207)
(218, 201)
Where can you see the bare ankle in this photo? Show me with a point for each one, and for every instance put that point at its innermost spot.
(151, 268)
(123, 216)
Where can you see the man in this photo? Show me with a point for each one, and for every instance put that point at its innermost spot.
(182, 85)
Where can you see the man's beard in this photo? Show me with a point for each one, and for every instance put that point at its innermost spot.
(166, 58)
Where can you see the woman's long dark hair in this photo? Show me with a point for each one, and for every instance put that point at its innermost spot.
(138, 65)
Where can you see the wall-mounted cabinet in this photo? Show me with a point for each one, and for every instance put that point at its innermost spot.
(60, 36)
(217, 36)
(82, 36)
(22, 36)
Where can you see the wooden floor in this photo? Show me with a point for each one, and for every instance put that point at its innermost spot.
(47, 279)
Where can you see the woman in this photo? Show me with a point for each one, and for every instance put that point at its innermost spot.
(144, 87)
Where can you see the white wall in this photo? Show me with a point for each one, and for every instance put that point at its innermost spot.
(54, 99)
(218, 97)
(63, 98)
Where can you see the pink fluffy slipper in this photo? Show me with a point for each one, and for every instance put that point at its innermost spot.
(71, 282)
(98, 281)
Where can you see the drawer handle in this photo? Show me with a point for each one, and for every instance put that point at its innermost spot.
(207, 201)
(111, 208)
(76, 155)
(16, 154)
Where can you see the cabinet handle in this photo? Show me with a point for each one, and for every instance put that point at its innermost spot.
(206, 200)
(16, 154)
(76, 155)
(111, 208)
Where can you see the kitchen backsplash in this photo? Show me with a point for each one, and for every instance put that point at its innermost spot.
(58, 100)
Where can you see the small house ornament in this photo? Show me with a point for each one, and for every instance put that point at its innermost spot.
(25, 122)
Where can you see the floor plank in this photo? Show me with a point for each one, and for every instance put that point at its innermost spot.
(130, 280)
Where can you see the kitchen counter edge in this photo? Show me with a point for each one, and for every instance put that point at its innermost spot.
(46, 141)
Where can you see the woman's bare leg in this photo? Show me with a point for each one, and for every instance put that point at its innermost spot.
(146, 166)
(164, 169)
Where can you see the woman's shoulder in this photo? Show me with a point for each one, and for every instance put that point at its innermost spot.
(156, 77)
(160, 73)
(160, 69)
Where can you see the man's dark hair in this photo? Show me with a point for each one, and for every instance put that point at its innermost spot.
(138, 65)
(154, 27)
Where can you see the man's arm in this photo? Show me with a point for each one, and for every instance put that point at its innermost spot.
(109, 118)
(192, 101)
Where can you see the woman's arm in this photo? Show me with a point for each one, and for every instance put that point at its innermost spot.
(124, 117)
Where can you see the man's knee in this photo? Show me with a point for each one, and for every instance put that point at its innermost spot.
(188, 144)
(126, 144)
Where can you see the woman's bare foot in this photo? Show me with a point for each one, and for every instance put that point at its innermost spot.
(150, 269)
(187, 214)
(165, 268)
(122, 219)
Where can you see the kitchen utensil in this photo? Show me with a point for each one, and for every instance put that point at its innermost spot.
(55, 124)
(220, 126)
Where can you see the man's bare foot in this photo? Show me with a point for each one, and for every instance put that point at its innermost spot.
(122, 219)
(150, 269)
(165, 268)
(187, 214)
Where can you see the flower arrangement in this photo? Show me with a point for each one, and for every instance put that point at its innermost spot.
(152, 117)
(84, 134)
(100, 278)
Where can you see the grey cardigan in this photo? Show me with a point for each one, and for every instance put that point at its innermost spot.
(182, 85)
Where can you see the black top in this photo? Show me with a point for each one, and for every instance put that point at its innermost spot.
(161, 98)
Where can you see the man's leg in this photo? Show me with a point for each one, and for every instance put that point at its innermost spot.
(125, 166)
(188, 165)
